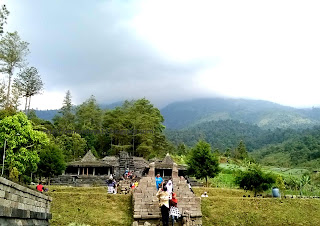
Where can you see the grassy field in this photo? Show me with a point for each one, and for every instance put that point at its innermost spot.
(228, 207)
(89, 206)
(92, 206)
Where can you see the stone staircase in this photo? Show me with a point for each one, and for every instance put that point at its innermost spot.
(125, 161)
(146, 204)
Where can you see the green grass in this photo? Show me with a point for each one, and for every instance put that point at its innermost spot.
(92, 206)
(228, 207)
(89, 206)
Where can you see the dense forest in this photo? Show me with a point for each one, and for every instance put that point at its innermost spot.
(226, 134)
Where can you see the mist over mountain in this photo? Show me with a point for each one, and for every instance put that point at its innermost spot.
(265, 114)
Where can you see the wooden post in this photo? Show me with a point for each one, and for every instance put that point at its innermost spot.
(94, 170)
(78, 171)
(108, 171)
(87, 171)
(83, 171)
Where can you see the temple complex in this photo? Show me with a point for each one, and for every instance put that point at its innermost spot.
(90, 170)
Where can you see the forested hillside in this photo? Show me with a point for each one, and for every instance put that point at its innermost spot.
(225, 134)
(265, 114)
(302, 151)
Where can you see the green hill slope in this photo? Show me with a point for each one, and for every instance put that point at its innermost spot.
(265, 114)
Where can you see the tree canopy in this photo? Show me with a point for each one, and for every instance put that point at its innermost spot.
(22, 143)
(202, 163)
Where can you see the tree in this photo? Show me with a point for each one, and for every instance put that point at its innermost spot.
(89, 118)
(66, 118)
(241, 151)
(51, 161)
(12, 55)
(280, 184)
(202, 163)
(3, 17)
(22, 143)
(254, 179)
(72, 145)
(29, 82)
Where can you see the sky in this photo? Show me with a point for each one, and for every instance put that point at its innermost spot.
(172, 50)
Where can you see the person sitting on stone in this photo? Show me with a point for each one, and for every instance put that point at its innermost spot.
(204, 194)
(163, 197)
(40, 187)
(159, 180)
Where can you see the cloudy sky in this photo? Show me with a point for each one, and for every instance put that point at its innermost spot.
(172, 50)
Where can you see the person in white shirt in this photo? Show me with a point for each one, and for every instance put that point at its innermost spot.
(204, 194)
(170, 187)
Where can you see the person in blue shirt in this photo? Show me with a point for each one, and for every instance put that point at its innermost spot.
(159, 180)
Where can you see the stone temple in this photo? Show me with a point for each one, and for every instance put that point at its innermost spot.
(90, 170)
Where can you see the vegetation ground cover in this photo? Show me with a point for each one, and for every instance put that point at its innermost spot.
(224, 206)
(228, 207)
(89, 206)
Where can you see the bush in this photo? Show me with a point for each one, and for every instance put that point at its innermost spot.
(254, 179)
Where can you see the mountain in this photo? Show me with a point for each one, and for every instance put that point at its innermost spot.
(265, 114)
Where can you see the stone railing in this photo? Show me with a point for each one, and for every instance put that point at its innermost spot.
(20, 205)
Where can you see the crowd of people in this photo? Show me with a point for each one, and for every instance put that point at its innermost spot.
(168, 201)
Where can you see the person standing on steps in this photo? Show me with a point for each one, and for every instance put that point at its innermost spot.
(159, 180)
(174, 212)
(163, 197)
(170, 186)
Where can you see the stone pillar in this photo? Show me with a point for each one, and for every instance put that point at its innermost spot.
(174, 170)
(94, 171)
(87, 171)
(83, 171)
(108, 171)
(151, 170)
(78, 171)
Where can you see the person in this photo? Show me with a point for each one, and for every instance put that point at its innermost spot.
(174, 212)
(110, 183)
(40, 187)
(204, 194)
(170, 186)
(159, 180)
(163, 197)
(189, 185)
(136, 184)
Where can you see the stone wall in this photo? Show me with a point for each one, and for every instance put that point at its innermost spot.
(80, 181)
(22, 206)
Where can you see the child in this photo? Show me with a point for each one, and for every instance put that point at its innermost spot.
(174, 212)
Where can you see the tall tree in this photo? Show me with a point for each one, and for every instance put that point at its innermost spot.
(241, 151)
(29, 82)
(66, 118)
(13, 52)
(202, 163)
(89, 120)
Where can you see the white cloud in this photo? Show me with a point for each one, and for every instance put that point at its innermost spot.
(266, 50)
(255, 49)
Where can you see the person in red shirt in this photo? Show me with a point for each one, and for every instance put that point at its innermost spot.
(40, 187)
